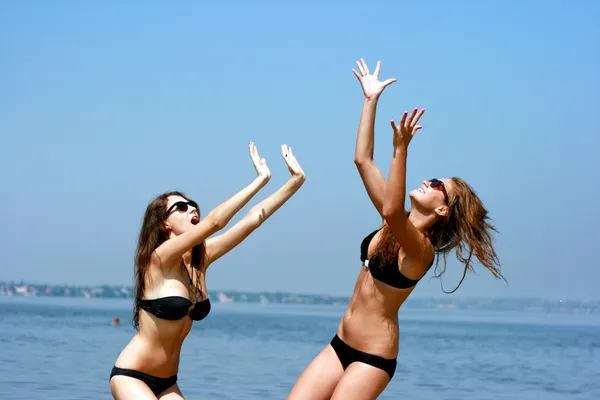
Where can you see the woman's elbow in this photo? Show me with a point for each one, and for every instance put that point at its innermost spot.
(362, 162)
(216, 221)
(391, 211)
(256, 217)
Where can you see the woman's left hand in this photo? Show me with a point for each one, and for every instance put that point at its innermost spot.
(260, 164)
(404, 132)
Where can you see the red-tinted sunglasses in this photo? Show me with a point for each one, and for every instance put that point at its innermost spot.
(182, 206)
(439, 185)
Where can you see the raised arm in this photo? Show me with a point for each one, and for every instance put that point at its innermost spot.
(394, 214)
(363, 156)
(219, 217)
(218, 246)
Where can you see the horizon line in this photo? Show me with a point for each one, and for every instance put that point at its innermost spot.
(441, 296)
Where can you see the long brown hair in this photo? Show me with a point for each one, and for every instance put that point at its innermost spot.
(152, 234)
(467, 228)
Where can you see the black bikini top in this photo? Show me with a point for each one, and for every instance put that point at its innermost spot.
(176, 307)
(387, 273)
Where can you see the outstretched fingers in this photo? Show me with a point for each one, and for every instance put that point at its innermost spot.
(291, 161)
(253, 151)
(288, 155)
(403, 120)
(377, 69)
(412, 116)
(284, 151)
(414, 120)
(361, 69)
(364, 65)
(388, 82)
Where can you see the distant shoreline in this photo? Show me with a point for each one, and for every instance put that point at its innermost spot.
(22, 289)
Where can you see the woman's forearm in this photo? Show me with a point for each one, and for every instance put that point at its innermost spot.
(222, 214)
(268, 206)
(365, 138)
(395, 189)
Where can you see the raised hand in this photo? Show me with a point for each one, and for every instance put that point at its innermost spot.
(292, 163)
(372, 87)
(404, 132)
(260, 164)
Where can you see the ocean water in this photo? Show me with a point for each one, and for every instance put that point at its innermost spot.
(64, 348)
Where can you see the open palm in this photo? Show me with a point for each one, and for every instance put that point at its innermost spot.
(370, 83)
(291, 162)
(260, 164)
(405, 131)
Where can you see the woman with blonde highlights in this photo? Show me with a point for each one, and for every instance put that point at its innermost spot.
(445, 214)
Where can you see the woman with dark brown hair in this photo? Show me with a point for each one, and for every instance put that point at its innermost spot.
(174, 251)
(446, 214)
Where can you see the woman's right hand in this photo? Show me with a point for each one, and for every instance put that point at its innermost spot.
(370, 83)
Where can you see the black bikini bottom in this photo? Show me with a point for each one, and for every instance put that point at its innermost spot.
(157, 385)
(348, 355)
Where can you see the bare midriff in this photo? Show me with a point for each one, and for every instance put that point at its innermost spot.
(156, 347)
(370, 323)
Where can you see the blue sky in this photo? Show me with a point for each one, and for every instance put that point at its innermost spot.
(104, 106)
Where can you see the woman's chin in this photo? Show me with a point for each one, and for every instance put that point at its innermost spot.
(415, 193)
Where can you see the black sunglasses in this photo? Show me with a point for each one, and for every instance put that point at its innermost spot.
(182, 206)
(439, 185)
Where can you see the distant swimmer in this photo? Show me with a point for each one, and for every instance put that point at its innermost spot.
(174, 251)
(445, 214)
(116, 321)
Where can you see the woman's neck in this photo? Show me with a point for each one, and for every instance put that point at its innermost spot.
(421, 221)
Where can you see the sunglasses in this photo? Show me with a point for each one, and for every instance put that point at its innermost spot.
(439, 185)
(182, 206)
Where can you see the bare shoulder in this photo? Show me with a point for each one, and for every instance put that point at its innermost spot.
(157, 270)
(159, 265)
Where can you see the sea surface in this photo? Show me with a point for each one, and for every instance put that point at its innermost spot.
(64, 348)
